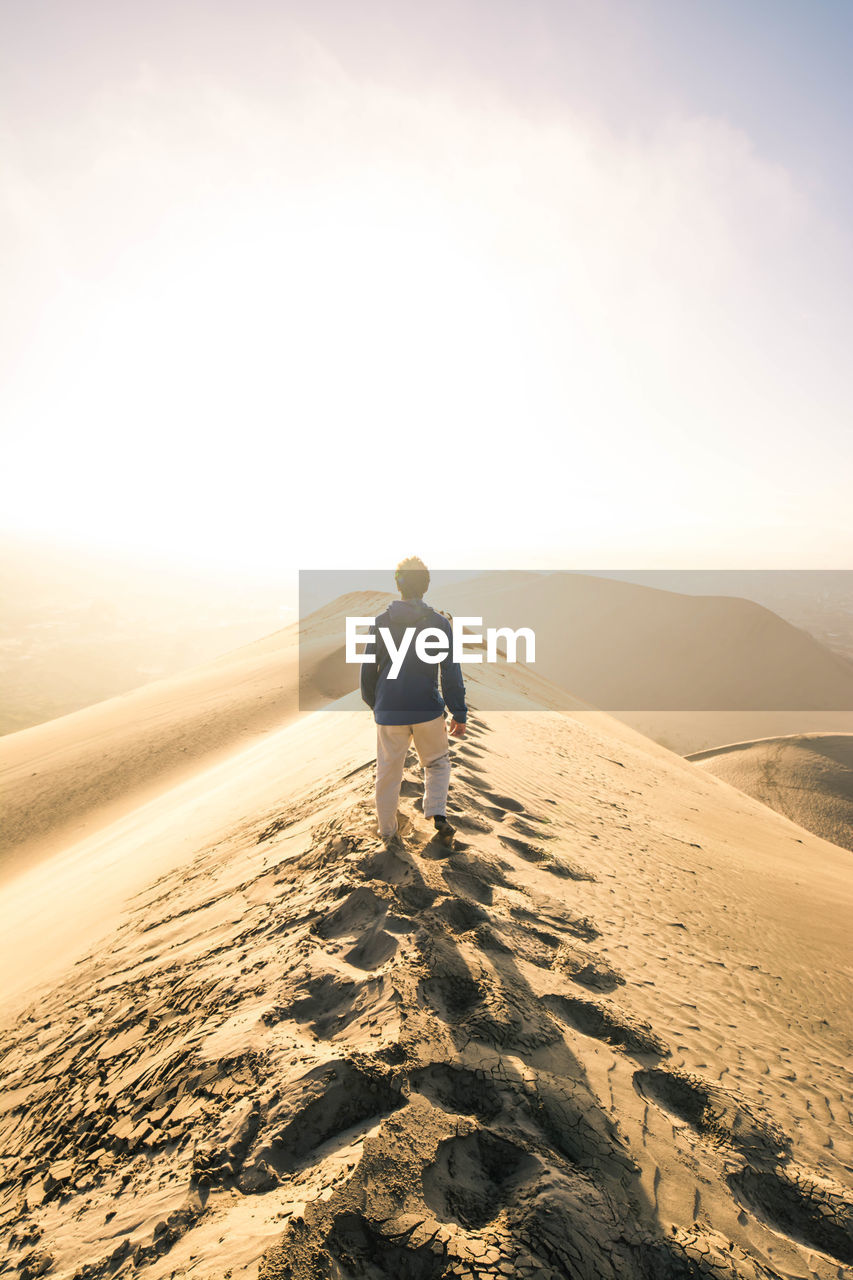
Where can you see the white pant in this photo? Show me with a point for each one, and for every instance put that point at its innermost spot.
(392, 743)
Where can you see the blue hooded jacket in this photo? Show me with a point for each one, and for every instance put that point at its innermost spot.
(413, 697)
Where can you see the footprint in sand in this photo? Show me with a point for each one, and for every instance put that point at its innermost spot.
(613, 1027)
(461, 914)
(530, 853)
(492, 1008)
(452, 995)
(473, 1178)
(473, 877)
(469, 771)
(332, 1003)
(359, 910)
(359, 1246)
(715, 1112)
(578, 926)
(808, 1207)
(467, 821)
(536, 948)
(536, 854)
(505, 803)
(329, 1100)
(523, 826)
(591, 974)
(372, 951)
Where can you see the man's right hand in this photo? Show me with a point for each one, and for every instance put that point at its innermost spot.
(457, 729)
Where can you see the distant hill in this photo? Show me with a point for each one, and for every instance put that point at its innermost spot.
(689, 671)
(818, 600)
(627, 647)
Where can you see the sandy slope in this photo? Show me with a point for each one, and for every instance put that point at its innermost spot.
(605, 1037)
(690, 671)
(69, 778)
(808, 777)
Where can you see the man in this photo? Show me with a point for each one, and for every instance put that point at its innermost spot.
(411, 706)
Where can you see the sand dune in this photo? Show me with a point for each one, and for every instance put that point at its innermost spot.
(606, 1036)
(808, 777)
(79, 627)
(70, 777)
(689, 732)
(672, 666)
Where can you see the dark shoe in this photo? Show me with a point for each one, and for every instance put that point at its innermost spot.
(444, 833)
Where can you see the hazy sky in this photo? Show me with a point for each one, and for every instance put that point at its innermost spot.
(554, 282)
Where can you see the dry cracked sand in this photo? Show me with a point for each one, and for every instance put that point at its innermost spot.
(603, 1037)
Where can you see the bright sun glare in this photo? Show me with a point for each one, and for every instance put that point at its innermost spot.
(367, 297)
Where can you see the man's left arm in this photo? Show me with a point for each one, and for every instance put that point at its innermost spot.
(453, 688)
